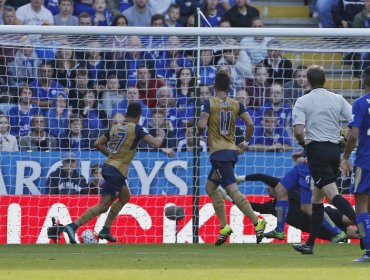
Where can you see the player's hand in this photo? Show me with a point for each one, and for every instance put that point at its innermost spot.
(346, 167)
(161, 133)
(242, 147)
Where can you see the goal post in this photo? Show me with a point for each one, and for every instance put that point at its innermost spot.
(61, 88)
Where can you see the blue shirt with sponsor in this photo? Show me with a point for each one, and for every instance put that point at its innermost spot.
(207, 75)
(361, 120)
(43, 94)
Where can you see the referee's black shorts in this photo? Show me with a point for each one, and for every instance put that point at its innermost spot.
(323, 160)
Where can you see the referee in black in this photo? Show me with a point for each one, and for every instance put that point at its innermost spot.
(316, 124)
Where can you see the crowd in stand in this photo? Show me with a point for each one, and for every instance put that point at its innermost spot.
(64, 99)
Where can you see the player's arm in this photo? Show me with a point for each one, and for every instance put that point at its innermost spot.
(246, 118)
(155, 142)
(202, 122)
(299, 120)
(204, 116)
(101, 144)
(352, 137)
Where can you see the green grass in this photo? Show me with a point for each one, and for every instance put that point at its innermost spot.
(186, 261)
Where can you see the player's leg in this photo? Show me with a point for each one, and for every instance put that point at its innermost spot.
(92, 212)
(123, 198)
(361, 190)
(218, 204)
(316, 221)
(226, 175)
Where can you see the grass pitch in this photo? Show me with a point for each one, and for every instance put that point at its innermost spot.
(185, 261)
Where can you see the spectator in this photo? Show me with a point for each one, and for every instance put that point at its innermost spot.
(34, 13)
(66, 179)
(280, 109)
(66, 65)
(23, 69)
(102, 16)
(173, 16)
(172, 61)
(82, 84)
(225, 23)
(76, 138)
(345, 11)
(16, 3)
(187, 144)
(133, 59)
(280, 69)
(65, 17)
(239, 60)
(8, 142)
(52, 6)
(9, 17)
(241, 14)
(270, 137)
(185, 88)
(2, 2)
(95, 62)
(112, 96)
(95, 121)
(119, 40)
(21, 114)
(159, 6)
(132, 96)
(147, 86)
(204, 93)
(213, 16)
(324, 10)
(38, 139)
(46, 88)
(243, 97)
(298, 86)
(96, 179)
(256, 47)
(117, 7)
(57, 118)
(158, 122)
(259, 90)
(157, 20)
(85, 19)
(139, 14)
(187, 9)
(190, 22)
(83, 6)
(165, 99)
(207, 69)
(362, 18)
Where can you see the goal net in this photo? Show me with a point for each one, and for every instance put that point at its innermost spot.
(61, 90)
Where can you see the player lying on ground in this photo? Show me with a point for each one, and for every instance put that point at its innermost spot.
(298, 177)
(295, 216)
(123, 140)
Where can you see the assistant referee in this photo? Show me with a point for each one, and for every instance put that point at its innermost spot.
(316, 123)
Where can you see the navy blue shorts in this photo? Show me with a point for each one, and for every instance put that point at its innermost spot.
(360, 181)
(222, 173)
(114, 181)
(299, 177)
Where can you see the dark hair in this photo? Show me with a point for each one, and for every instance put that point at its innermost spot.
(94, 167)
(85, 15)
(118, 17)
(316, 76)
(366, 77)
(299, 68)
(269, 114)
(222, 81)
(73, 118)
(192, 81)
(157, 17)
(173, 6)
(133, 110)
